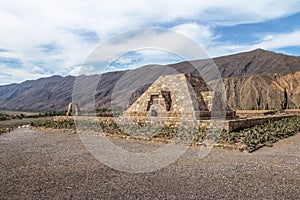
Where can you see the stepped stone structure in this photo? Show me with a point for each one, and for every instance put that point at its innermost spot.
(179, 96)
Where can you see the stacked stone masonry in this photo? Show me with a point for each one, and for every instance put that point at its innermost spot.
(179, 97)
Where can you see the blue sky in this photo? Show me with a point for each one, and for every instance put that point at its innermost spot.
(44, 38)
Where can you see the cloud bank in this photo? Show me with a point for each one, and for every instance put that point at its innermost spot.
(42, 38)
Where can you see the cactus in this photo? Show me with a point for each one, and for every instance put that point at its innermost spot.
(284, 102)
(267, 106)
(258, 102)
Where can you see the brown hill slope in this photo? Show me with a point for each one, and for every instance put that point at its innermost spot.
(52, 93)
(254, 62)
(244, 92)
(258, 61)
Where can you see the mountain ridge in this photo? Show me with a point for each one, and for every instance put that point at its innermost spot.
(55, 92)
(180, 63)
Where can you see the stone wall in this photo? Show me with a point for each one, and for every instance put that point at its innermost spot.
(229, 125)
(237, 124)
(293, 111)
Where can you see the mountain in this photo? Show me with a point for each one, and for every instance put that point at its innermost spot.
(44, 94)
(257, 62)
(247, 76)
(254, 62)
(243, 92)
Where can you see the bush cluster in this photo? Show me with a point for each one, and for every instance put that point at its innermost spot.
(60, 124)
(107, 125)
(271, 131)
(2, 131)
(4, 116)
(258, 135)
(167, 132)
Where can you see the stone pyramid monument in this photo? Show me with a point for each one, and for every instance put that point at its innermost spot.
(179, 96)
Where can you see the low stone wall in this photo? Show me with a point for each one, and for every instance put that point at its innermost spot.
(254, 113)
(262, 113)
(293, 111)
(229, 125)
(237, 124)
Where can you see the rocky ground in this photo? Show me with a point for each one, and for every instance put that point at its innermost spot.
(43, 165)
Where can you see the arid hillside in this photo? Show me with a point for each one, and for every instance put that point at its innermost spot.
(254, 62)
(263, 91)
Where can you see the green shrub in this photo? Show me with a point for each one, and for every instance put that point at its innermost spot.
(255, 136)
(271, 131)
(61, 124)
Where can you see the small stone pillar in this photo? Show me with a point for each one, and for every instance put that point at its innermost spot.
(69, 112)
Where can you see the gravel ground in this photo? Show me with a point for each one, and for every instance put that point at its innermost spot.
(56, 165)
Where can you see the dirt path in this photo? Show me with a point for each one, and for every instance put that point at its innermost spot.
(43, 165)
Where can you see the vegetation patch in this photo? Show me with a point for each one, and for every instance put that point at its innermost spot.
(56, 124)
(248, 140)
(167, 132)
(106, 125)
(3, 131)
(251, 139)
(5, 116)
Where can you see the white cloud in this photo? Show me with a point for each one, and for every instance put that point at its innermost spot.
(199, 33)
(152, 40)
(26, 25)
(19, 74)
(270, 42)
(8, 55)
(268, 37)
(282, 40)
(147, 56)
(124, 60)
(38, 70)
(78, 70)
